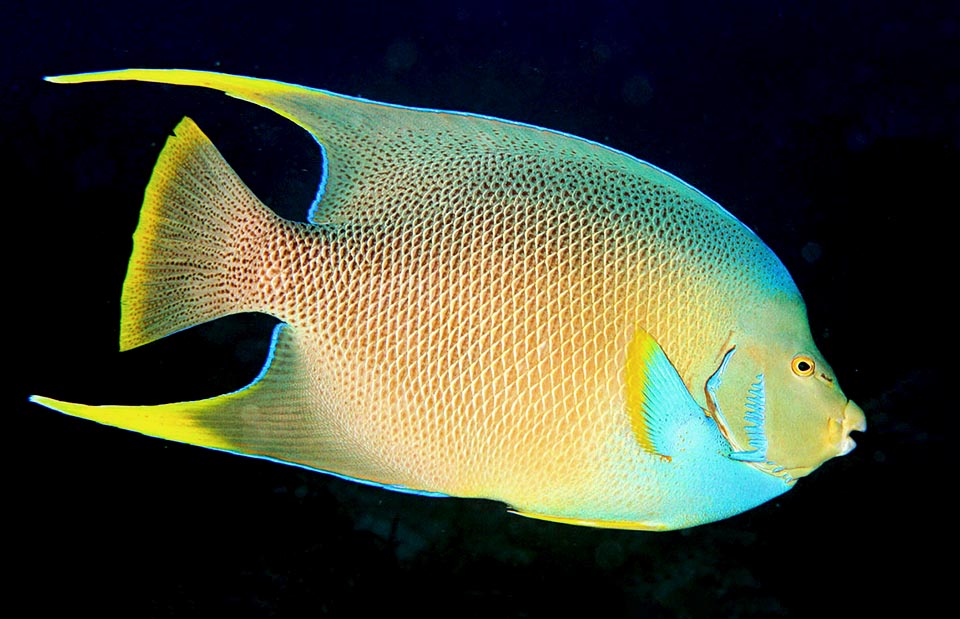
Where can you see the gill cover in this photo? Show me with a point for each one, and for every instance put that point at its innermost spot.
(781, 410)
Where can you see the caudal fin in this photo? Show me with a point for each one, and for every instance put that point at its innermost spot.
(193, 244)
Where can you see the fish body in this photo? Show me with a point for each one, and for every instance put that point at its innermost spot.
(481, 308)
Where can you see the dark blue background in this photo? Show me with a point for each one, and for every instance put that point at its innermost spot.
(830, 128)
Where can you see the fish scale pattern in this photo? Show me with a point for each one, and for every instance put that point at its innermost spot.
(479, 300)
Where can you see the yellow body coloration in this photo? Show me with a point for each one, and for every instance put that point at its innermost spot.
(484, 309)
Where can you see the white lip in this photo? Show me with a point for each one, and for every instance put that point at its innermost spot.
(853, 421)
(846, 446)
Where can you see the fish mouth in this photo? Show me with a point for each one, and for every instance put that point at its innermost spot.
(853, 421)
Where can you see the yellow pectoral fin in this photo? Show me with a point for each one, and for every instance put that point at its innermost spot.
(656, 398)
(601, 524)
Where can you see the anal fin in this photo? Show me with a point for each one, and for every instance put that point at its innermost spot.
(600, 524)
(275, 417)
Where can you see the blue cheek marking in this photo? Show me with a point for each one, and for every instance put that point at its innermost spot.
(755, 418)
(713, 385)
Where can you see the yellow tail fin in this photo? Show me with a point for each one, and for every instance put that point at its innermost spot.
(189, 246)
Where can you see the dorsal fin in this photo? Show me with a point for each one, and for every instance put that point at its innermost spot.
(367, 144)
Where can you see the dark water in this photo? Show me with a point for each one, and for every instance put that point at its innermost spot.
(829, 128)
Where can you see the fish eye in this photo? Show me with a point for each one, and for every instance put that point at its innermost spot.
(802, 365)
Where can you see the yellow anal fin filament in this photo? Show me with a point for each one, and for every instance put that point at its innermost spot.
(600, 524)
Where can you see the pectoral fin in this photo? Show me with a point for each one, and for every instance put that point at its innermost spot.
(656, 398)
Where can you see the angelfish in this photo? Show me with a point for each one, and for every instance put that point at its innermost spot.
(483, 308)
